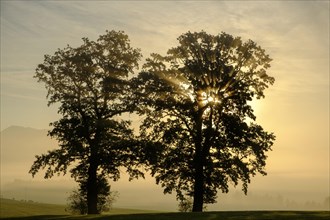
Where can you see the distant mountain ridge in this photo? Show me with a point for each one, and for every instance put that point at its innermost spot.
(20, 128)
(21, 144)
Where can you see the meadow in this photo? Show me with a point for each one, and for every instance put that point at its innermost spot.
(11, 209)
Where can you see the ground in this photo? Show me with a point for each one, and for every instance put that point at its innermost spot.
(11, 209)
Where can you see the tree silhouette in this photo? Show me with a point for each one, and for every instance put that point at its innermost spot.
(196, 104)
(90, 84)
(77, 200)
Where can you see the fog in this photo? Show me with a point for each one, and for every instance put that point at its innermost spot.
(276, 191)
(296, 107)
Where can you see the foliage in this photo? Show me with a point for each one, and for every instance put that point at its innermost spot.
(196, 102)
(77, 201)
(185, 205)
(88, 83)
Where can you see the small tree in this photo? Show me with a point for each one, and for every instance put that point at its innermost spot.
(77, 201)
(185, 205)
(90, 83)
(196, 104)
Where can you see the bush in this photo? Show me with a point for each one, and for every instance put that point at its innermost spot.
(77, 200)
(185, 205)
(77, 204)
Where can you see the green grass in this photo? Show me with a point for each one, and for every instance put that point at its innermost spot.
(237, 215)
(14, 208)
(36, 211)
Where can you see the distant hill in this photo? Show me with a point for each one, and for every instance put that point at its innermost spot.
(19, 145)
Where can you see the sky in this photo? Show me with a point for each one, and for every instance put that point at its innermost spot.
(294, 33)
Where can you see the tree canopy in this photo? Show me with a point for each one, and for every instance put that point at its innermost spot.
(199, 130)
(196, 102)
(90, 83)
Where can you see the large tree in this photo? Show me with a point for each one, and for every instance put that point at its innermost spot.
(90, 84)
(197, 104)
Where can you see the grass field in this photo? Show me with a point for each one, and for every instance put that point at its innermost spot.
(18, 209)
(11, 209)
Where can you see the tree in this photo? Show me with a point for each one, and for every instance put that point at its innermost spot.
(77, 201)
(185, 205)
(196, 102)
(90, 83)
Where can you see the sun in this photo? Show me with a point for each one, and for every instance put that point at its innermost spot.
(210, 99)
(207, 97)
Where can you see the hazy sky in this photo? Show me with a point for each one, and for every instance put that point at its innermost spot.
(294, 33)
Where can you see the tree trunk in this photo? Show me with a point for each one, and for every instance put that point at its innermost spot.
(198, 186)
(202, 150)
(198, 166)
(91, 188)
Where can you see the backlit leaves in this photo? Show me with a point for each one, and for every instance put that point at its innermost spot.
(197, 95)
